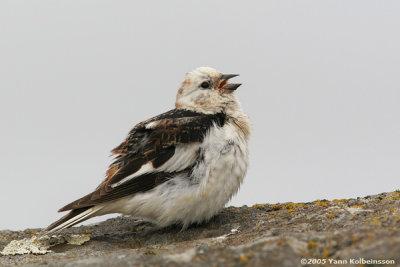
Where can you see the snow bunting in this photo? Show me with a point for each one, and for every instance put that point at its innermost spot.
(180, 167)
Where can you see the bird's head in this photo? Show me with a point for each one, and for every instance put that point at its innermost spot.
(207, 90)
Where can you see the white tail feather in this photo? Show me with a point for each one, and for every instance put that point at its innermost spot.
(77, 219)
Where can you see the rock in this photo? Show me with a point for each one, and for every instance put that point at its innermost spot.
(338, 232)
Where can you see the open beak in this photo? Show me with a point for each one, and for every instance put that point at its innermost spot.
(228, 87)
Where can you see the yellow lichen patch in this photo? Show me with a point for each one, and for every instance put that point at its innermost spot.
(280, 241)
(354, 239)
(370, 235)
(331, 216)
(12, 235)
(311, 244)
(244, 217)
(289, 206)
(396, 197)
(258, 206)
(243, 258)
(375, 221)
(326, 253)
(270, 214)
(88, 231)
(358, 206)
(275, 206)
(139, 229)
(257, 227)
(321, 203)
(31, 231)
(339, 201)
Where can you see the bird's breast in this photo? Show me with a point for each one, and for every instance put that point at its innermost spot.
(225, 159)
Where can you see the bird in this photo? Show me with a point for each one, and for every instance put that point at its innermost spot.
(180, 167)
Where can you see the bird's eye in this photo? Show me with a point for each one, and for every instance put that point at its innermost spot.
(205, 85)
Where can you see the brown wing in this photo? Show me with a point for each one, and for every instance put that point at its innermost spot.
(152, 141)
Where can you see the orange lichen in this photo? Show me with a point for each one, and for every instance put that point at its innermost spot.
(243, 259)
(281, 241)
(311, 244)
(326, 253)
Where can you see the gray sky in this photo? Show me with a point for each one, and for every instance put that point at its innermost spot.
(320, 83)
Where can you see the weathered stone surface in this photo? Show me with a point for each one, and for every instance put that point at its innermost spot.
(263, 235)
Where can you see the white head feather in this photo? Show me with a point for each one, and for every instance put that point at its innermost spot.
(217, 97)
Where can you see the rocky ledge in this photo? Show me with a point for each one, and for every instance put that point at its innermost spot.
(362, 231)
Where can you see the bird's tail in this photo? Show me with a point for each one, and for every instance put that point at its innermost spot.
(75, 216)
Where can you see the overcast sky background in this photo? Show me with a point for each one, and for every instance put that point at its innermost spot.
(321, 84)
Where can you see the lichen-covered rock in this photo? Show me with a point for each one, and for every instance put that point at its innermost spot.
(40, 245)
(338, 232)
